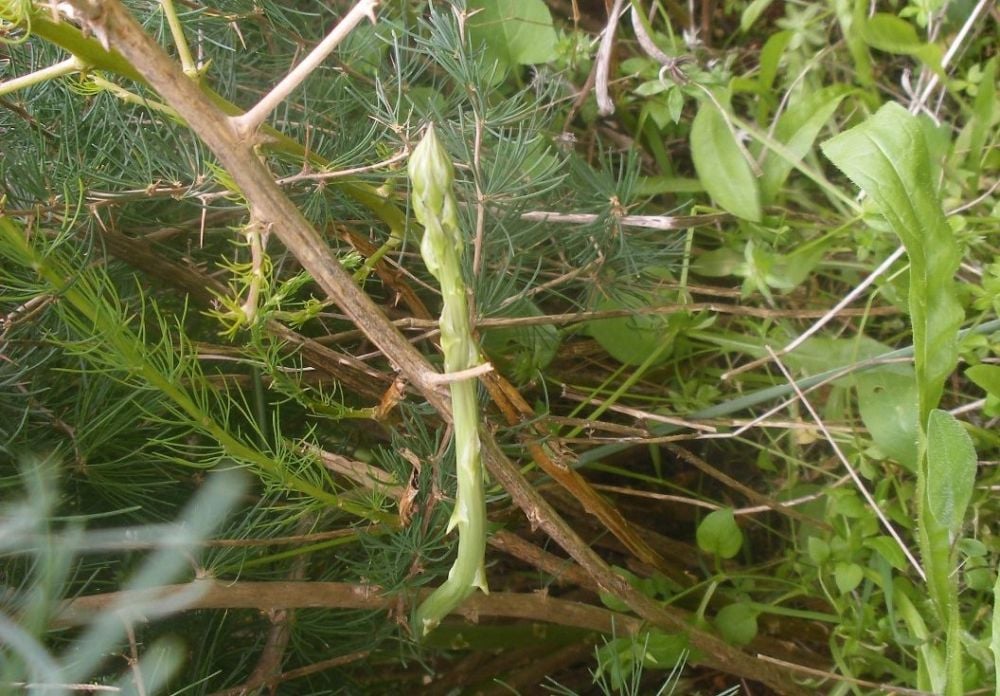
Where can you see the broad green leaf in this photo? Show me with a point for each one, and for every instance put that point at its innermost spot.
(973, 548)
(675, 104)
(987, 377)
(848, 576)
(797, 130)
(656, 185)
(819, 353)
(620, 658)
(737, 624)
(719, 534)
(889, 33)
(887, 401)
(518, 32)
(722, 166)
(651, 87)
(887, 157)
(951, 469)
(632, 339)
(818, 550)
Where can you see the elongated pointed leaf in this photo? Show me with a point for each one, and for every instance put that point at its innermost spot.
(797, 130)
(951, 469)
(887, 157)
(722, 166)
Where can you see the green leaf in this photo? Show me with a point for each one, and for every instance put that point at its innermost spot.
(656, 185)
(517, 32)
(752, 12)
(848, 576)
(889, 33)
(719, 534)
(984, 111)
(737, 624)
(818, 549)
(987, 377)
(951, 469)
(995, 639)
(663, 650)
(852, 16)
(519, 352)
(887, 548)
(719, 263)
(797, 130)
(887, 402)
(770, 58)
(651, 87)
(887, 157)
(632, 339)
(675, 104)
(722, 165)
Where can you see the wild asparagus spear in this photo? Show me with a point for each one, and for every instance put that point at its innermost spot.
(431, 179)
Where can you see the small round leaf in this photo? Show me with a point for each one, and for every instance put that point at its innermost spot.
(737, 624)
(719, 534)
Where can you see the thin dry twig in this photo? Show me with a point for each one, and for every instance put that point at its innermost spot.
(723, 478)
(602, 61)
(133, 659)
(291, 674)
(47, 686)
(246, 124)
(887, 689)
(652, 222)
(272, 656)
(918, 103)
(562, 570)
(837, 309)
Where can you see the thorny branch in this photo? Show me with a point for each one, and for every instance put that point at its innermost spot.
(112, 24)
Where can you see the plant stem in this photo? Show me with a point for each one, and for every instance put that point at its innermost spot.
(434, 205)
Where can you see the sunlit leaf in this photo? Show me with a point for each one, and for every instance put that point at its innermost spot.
(887, 157)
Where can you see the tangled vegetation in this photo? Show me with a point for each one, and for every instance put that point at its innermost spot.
(697, 302)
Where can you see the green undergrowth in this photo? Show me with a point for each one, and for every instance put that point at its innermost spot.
(751, 302)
